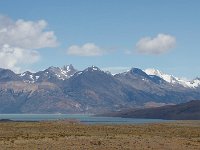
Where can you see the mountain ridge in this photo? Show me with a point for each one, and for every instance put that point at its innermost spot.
(185, 111)
(174, 80)
(67, 71)
(67, 90)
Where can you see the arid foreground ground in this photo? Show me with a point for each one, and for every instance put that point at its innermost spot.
(63, 135)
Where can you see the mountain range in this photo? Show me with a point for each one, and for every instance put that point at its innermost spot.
(67, 90)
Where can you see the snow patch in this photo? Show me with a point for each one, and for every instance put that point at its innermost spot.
(36, 77)
(23, 74)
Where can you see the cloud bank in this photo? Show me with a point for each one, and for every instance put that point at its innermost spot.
(88, 49)
(157, 45)
(13, 57)
(20, 39)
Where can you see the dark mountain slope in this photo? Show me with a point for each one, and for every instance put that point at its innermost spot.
(8, 75)
(184, 111)
(95, 88)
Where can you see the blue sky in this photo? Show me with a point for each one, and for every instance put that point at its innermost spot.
(112, 34)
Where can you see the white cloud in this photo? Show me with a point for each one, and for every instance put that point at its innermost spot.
(13, 57)
(20, 39)
(88, 49)
(157, 45)
(26, 34)
(116, 70)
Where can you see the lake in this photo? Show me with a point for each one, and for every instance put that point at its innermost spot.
(83, 118)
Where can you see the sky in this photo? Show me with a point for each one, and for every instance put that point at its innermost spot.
(113, 35)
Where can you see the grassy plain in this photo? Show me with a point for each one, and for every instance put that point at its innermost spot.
(58, 135)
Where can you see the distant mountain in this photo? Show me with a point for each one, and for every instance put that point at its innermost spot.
(8, 75)
(159, 90)
(184, 111)
(140, 80)
(67, 90)
(97, 91)
(52, 74)
(174, 80)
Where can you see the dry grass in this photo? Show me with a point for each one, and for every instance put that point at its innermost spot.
(74, 136)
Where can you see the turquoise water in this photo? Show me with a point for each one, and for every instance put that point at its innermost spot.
(88, 119)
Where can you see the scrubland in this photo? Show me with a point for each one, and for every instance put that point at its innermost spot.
(58, 135)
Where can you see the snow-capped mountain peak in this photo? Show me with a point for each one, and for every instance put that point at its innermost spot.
(52, 73)
(68, 68)
(92, 68)
(192, 84)
(173, 80)
(60, 73)
(166, 77)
